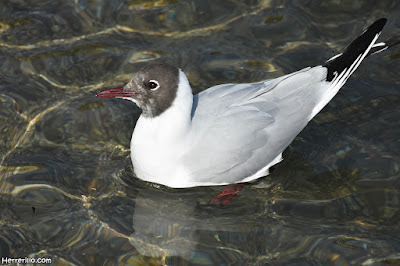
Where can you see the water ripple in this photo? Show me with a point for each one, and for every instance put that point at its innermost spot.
(67, 187)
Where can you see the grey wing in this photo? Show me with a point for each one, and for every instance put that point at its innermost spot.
(249, 125)
(230, 141)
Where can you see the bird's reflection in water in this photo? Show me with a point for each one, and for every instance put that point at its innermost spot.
(164, 225)
(182, 224)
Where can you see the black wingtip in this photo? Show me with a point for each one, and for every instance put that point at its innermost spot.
(380, 23)
(354, 50)
(379, 47)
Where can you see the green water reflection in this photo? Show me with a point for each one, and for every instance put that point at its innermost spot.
(68, 190)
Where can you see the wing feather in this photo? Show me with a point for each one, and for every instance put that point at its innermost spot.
(250, 125)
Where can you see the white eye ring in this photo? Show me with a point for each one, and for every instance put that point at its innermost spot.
(151, 85)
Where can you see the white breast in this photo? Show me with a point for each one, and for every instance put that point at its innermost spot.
(158, 143)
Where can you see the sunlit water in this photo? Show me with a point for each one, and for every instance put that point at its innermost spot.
(68, 190)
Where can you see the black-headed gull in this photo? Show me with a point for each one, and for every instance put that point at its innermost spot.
(229, 133)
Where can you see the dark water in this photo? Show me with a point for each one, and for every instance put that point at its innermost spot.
(68, 190)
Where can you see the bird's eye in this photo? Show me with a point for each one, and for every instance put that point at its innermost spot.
(153, 85)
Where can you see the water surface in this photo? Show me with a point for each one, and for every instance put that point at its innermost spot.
(68, 190)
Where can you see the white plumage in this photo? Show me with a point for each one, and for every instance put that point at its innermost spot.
(229, 133)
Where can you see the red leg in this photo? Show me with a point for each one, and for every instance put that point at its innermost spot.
(227, 194)
(271, 169)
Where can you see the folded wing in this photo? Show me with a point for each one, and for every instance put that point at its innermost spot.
(246, 126)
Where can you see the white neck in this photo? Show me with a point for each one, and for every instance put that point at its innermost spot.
(176, 119)
(158, 140)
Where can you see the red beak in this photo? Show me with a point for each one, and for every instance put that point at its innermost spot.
(115, 92)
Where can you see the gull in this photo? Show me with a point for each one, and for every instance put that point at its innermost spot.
(229, 133)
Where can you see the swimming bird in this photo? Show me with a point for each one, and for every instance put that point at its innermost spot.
(229, 133)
